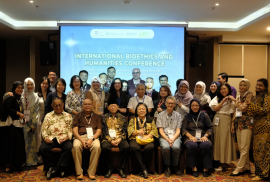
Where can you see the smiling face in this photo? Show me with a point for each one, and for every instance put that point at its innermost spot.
(60, 87)
(163, 93)
(44, 85)
(95, 85)
(183, 88)
(163, 81)
(103, 79)
(198, 89)
(29, 86)
(195, 106)
(170, 104)
(149, 83)
(213, 88)
(113, 108)
(76, 83)
(141, 110)
(52, 76)
(111, 73)
(242, 87)
(58, 106)
(260, 86)
(140, 90)
(87, 105)
(117, 84)
(19, 90)
(224, 91)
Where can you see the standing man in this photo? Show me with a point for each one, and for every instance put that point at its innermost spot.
(223, 78)
(56, 132)
(132, 84)
(86, 129)
(169, 124)
(83, 74)
(53, 77)
(111, 72)
(114, 128)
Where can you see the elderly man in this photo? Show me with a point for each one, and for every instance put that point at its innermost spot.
(86, 129)
(141, 97)
(136, 73)
(114, 135)
(56, 132)
(169, 125)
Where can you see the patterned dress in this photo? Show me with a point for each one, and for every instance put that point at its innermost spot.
(74, 101)
(260, 110)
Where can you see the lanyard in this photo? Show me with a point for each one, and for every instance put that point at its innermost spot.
(78, 96)
(196, 123)
(143, 99)
(160, 103)
(141, 124)
(88, 121)
(26, 103)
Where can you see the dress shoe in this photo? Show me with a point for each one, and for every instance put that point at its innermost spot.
(62, 174)
(51, 173)
(91, 177)
(205, 174)
(177, 171)
(80, 177)
(247, 171)
(195, 173)
(145, 174)
(238, 174)
(121, 173)
(256, 178)
(108, 174)
(167, 172)
(219, 169)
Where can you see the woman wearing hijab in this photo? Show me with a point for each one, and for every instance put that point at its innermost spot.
(243, 126)
(97, 95)
(213, 93)
(30, 101)
(183, 98)
(224, 146)
(12, 153)
(196, 129)
(199, 93)
(259, 110)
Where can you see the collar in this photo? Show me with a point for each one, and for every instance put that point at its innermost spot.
(84, 115)
(110, 115)
(59, 114)
(168, 114)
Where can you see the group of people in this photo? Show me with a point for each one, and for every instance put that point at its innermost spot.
(132, 116)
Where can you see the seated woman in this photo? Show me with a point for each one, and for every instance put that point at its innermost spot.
(75, 97)
(196, 129)
(159, 104)
(141, 131)
(12, 153)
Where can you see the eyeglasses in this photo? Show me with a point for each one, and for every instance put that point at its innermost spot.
(195, 105)
(135, 72)
(60, 105)
(183, 87)
(170, 103)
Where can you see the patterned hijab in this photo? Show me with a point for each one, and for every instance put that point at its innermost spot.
(242, 94)
(185, 98)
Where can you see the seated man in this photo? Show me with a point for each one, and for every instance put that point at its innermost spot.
(114, 126)
(86, 129)
(56, 133)
(169, 124)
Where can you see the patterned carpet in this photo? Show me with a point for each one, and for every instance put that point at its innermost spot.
(33, 174)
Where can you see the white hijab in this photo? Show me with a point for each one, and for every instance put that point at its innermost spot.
(203, 98)
(30, 97)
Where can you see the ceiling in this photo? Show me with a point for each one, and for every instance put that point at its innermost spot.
(232, 18)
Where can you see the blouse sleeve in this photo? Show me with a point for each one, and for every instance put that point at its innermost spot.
(213, 103)
(68, 102)
(185, 108)
(233, 107)
(131, 127)
(184, 127)
(154, 130)
(256, 109)
(34, 113)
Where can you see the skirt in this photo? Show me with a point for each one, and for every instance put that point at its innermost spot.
(12, 146)
(224, 145)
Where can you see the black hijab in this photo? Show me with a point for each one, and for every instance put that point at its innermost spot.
(192, 114)
(211, 94)
(13, 88)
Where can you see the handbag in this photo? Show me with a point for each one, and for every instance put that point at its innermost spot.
(139, 140)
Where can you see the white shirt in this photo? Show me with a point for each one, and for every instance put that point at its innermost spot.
(227, 107)
(133, 102)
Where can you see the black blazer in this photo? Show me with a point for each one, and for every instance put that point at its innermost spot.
(10, 108)
(49, 99)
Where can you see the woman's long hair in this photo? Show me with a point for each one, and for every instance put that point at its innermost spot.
(40, 89)
(219, 95)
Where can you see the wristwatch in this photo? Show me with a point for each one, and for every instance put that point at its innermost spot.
(205, 135)
(93, 138)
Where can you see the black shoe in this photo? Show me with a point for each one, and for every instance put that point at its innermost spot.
(238, 174)
(108, 174)
(247, 172)
(145, 174)
(62, 174)
(168, 172)
(195, 173)
(121, 173)
(205, 174)
(177, 171)
(51, 173)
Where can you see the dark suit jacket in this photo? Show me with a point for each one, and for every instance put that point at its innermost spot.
(132, 87)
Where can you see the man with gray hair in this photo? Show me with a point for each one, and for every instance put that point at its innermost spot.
(132, 84)
(169, 124)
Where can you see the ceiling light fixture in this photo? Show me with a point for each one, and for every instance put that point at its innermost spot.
(126, 2)
(217, 4)
(268, 28)
(31, 1)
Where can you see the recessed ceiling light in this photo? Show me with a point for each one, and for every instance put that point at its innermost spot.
(268, 28)
(126, 2)
(31, 1)
(217, 4)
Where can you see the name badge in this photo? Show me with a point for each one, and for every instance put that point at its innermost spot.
(89, 132)
(216, 121)
(139, 136)
(156, 114)
(112, 133)
(238, 113)
(170, 134)
(251, 120)
(26, 114)
(198, 134)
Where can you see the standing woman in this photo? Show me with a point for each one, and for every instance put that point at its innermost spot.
(224, 146)
(43, 91)
(97, 95)
(59, 92)
(118, 95)
(75, 97)
(213, 93)
(243, 126)
(260, 110)
(183, 98)
(30, 102)
(12, 153)
(159, 104)
(199, 93)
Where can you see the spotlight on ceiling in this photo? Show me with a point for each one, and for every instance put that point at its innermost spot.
(31, 1)
(217, 4)
(268, 28)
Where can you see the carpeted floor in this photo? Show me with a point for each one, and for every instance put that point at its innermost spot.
(33, 174)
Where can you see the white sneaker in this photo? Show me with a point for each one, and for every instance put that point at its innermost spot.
(219, 169)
